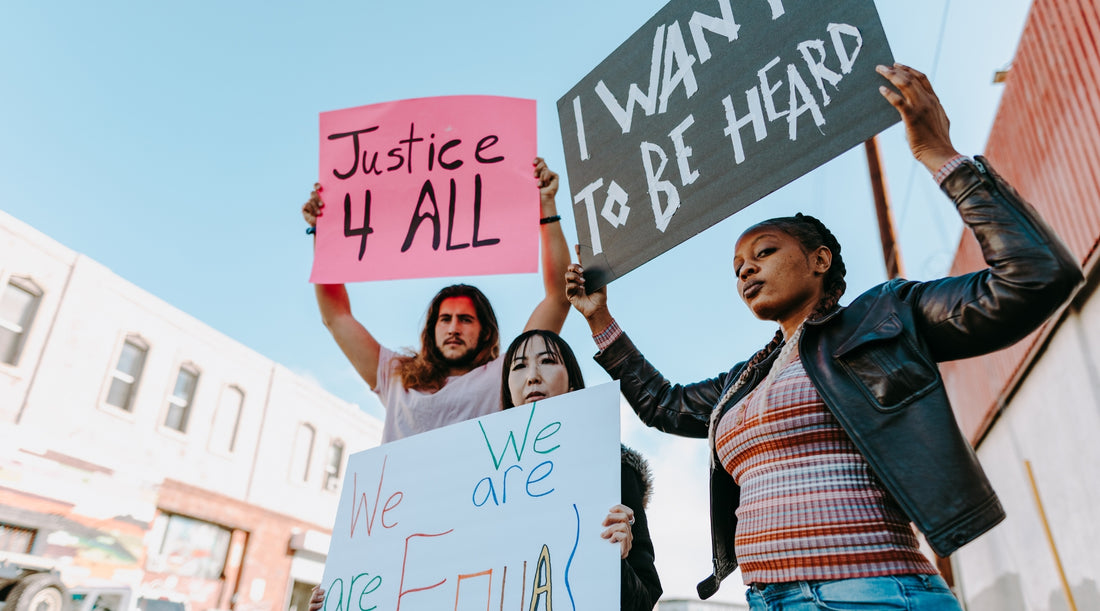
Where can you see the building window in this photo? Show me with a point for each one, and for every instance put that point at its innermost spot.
(303, 451)
(333, 463)
(179, 403)
(127, 373)
(18, 305)
(187, 547)
(227, 420)
(16, 539)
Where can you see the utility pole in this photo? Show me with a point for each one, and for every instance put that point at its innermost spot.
(891, 255)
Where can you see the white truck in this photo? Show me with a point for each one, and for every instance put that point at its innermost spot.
(33, 583)
(30, 583)
(112, 597)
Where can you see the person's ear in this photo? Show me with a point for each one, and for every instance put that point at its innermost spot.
(821, 260)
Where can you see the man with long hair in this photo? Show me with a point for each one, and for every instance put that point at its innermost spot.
(456, 373)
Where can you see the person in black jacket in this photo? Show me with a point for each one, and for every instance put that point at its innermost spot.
(539, 365)
(835, 436)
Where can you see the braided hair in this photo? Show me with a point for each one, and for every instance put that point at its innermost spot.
(812, 234)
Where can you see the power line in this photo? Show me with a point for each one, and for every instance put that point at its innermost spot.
(906, 200)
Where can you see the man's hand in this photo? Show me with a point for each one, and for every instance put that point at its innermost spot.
(312, 208)
(548, 187)
(317, 600)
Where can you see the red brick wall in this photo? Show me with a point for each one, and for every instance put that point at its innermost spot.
(97, 547)
(263, 535)
(1046, 142)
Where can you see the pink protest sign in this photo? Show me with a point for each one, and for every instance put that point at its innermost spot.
(427, 187)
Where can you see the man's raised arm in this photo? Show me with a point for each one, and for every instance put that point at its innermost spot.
(358, 345)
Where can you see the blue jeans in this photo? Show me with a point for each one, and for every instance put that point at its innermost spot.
(908, 592)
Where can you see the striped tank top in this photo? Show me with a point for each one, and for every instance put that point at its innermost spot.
(811, 508)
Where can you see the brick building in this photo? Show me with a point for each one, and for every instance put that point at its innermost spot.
(1033, 410)
(138, 445)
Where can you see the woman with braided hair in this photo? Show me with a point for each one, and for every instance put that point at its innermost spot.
(837, 437)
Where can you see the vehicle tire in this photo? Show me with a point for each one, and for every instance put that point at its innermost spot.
(38, 592)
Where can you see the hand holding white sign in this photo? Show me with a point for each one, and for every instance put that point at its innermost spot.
(504, 509)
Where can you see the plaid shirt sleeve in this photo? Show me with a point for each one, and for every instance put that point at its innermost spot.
(606, 337)
(946, 169)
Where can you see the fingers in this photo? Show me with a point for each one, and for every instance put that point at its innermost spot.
(619, 530)
(618, 527)
(618, 533)
(897, 78)
(927, 128)
(574, 281)
(903, 77)
(312, 208)
(575, 289)
(548, 179)
(619, 513)
(892, 97)
(914, 90)
(317, 600)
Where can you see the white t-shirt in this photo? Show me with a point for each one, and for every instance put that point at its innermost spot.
(462, 397)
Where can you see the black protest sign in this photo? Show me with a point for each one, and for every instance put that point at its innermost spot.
(707, 108)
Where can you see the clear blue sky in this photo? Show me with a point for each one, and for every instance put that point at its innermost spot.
(175, 143)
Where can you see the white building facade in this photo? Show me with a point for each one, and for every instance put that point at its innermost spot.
(139, 445)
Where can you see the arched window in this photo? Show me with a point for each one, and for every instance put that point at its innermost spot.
(18, 305)
(127, 373)
(182, 398)
(333, 463)
(227, 420)
(303, 452)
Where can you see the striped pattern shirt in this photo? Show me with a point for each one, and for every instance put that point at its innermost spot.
(810, 507)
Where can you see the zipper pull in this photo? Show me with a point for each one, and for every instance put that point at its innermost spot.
(981, 166)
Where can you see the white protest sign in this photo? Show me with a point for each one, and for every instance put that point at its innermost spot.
(501, 512)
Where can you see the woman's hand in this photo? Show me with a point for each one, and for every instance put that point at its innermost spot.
(317, 600)
(312, 208)
(618, 523)
(926, 125)
(593, 306)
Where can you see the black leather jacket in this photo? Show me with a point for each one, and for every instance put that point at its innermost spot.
(874, 365)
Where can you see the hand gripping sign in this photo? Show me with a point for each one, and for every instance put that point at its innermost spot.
(501, 512)
(710, 106)
(427, 187)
